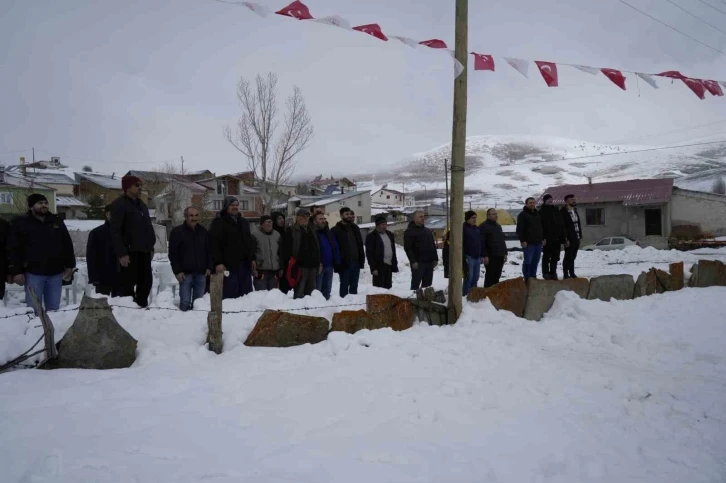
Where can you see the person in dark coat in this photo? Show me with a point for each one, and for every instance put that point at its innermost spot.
(4, 234)
(232, 249)
(573, 235)
(472, 249)
(529, 230)
(303, 249)
(190, 255)
(352, 255)
(420, 247)
(40, 253)
(494, 248)
(101, 258)
(329, 254)
(553, 229)
(381, 254)
(279, 225)
(133, 240)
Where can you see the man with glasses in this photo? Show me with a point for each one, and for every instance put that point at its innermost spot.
(494, 248)
(133, 240)
(190, 255)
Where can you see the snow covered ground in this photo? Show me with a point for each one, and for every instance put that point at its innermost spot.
(617, 391)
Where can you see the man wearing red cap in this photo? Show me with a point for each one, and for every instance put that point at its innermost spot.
(133, 240)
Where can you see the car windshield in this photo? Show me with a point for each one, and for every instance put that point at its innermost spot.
(604, 241)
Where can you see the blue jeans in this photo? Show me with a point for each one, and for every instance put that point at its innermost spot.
(190, 289)
(531, 255)
(473, 265)
(324, 282)
(349, 279)
(46, 287)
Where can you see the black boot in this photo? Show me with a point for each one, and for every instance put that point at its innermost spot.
(553, 276)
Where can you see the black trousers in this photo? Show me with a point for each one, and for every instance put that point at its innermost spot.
(568, 264)
(423, 276)
(106, 290)
(550, 258)
(493, 271)
(135, 280)
(384, 279)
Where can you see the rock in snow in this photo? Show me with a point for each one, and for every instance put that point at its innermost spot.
(606, 287)
(283, 329)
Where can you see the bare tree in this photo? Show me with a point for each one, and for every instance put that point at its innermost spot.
(271, 157)
(719, 186)
(87, 169)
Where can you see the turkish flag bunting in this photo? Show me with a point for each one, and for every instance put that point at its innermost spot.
(616, 76)
(548, 71)
(712, 87)
(372, 29)
(483, 62)
(672, 74)
(297, 10)
(434, 44)
(696, 86)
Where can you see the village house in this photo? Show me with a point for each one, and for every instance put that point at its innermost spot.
(358, 201)
(14, 194)
(646, 210)
(171, 202)
(95, 184)
(237, 185)
(63, 184)
(329, 186)
(386, 196)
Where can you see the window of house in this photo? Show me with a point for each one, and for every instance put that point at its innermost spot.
(359, 219)
(342, 203)
(217, 205)
(594, 216)
(244, 205)
(388, 197)
(221, 188)
(6, 198)
(360, 203)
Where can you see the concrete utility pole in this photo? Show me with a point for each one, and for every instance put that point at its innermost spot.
(458, 152)
(182, 163)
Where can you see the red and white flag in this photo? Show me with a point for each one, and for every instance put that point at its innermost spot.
(672, 74)
(406, 40)
(334, 20)
(615, 76)
(548, 71)
(520, 65)
(434, 44)
(648, 79)
(297, 10)
(712, 87)
(696, 86)
(372, 29)
(257, 8)
(483, 62)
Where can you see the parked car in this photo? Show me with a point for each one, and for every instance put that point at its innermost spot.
(612, 243)
(511, 238)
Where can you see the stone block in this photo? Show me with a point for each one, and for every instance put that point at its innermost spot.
(676, 271)
(508, 295)
(541, 294)
(391, 311)
(647, 284)
(708, 273)
(607, 287)
(665, 281)
(282, 329)
(351, 321)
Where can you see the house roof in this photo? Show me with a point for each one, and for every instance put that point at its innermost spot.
(103, 180)
(193, 187)
(69, 201)
(395, 192)
(326, 200)
(630, 193)
(20, 182)
(151, 176)
(52, 178)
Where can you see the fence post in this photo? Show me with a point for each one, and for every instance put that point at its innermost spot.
(214, 318)
(48, 330)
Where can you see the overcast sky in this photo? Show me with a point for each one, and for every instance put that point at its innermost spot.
(133, 83)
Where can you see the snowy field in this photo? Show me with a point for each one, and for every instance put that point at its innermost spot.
(631, 391)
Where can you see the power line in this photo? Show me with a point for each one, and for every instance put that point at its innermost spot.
(671, 27)
(709, 5)
(627, 140)
(645, 150)
(695, 16)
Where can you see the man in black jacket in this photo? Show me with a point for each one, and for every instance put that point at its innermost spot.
(232, 249)
(553, 229)
(494, 248)
(133, 240)
(190, 255)
(420, 247)
(352, 256)
(4, 233)
(40, 253)
(573, 235)
(531, 236)
(103, 266)
(381, 254)
(302, 250)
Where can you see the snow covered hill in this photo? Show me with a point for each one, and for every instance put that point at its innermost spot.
(507, 169)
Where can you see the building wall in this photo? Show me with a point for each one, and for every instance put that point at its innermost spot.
(87, 188)
(388, 198)
(360, 204)
(621, 220)
(19, 203)
(706, 210)
(62, 189)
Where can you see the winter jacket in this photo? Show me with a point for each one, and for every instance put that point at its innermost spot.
(472, 241)
(571, 235)
(492, 238)
(231, 241)
(301, 243)
(279, 229)
(267, 250)
(419, 244)
(350, 242)
(4, 234)
(131, 228)
(101, 258)
(374, 250)
(190, 251)
(553, 226)
(529, 227)
(39, 247)
(329, 249)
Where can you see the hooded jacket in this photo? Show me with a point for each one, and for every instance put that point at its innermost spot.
(231, 240)
(39, 247)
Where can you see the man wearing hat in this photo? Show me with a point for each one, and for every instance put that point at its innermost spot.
(40, 253)
(553, 229)
(472, 248)
(381, 254)
(101, 258)
(233, 249)
(266, 267)
(133, 240)
(302, 251)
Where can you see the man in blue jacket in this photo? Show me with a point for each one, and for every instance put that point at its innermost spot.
(190, 255)
(329, 255)
(472, 252)
(103, 266)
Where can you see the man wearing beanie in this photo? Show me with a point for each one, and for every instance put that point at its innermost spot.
(381, 254)
(40, 253)
(472, 248)
(233, 249)
(266, 267)
(133, 240)
(553, 229)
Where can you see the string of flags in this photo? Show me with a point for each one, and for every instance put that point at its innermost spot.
(548, 70)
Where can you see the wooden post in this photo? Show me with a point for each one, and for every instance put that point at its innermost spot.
(458, 152)
(214, 318)
(48, 330)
